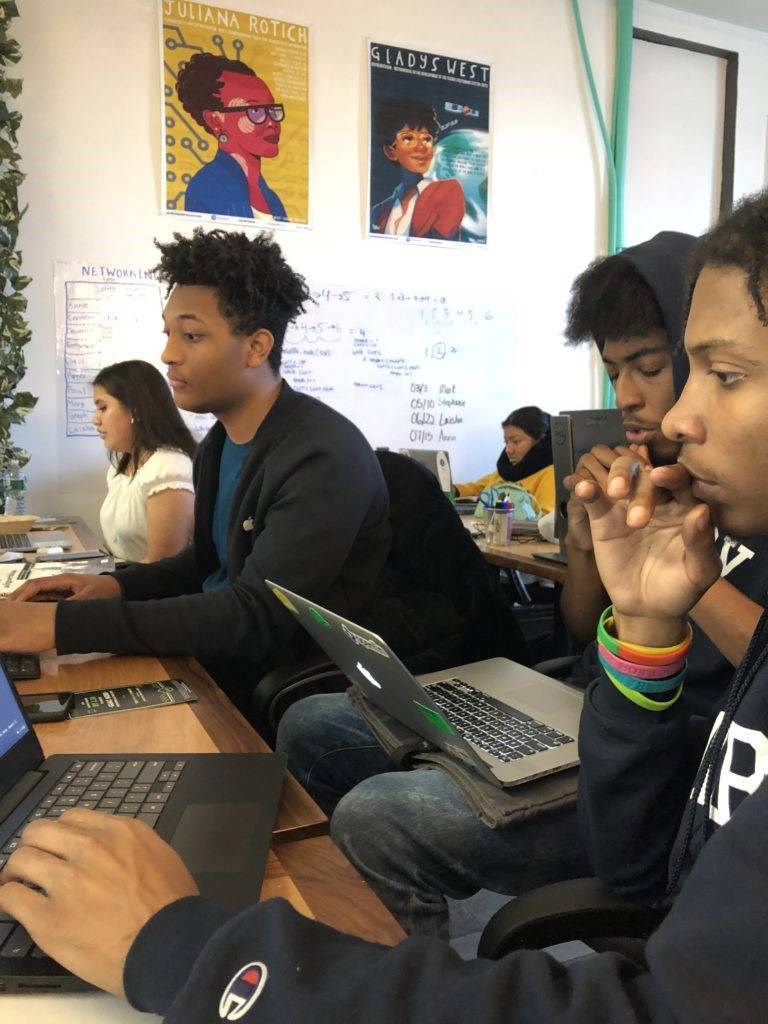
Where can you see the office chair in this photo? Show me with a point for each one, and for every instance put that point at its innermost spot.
(438, 603)
(582, 908)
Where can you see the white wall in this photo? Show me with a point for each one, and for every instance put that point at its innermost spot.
(91, 147)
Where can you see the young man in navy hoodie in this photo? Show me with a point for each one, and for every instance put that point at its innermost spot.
(668, 814)
(632, 306)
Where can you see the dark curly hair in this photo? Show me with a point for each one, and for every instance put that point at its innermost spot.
(611, 299)
(740, 239)
(199, 81)
(254, 286)
(392, 115)
(530, 419)
(157, 422)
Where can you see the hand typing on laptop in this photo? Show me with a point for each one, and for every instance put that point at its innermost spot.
(68, 586)
(98, 880)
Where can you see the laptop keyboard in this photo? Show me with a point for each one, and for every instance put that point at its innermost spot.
(500, 730)
(22, 666)
(15, 540)
(137, 789)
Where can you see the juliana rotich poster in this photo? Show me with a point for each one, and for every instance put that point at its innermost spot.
(429, 146)
(236, 114)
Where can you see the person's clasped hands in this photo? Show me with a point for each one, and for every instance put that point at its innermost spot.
(653, 541)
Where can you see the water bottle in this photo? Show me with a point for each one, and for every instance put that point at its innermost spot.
(16, 491)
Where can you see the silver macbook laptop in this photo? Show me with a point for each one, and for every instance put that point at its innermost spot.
(437, 462)
(508, 722)
(27, 542)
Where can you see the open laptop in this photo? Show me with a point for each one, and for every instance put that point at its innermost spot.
(438, 464)
(27, 542)
(573, 434)
(216, 811)
(509, 723)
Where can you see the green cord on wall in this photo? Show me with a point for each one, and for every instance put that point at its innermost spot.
(616, 146)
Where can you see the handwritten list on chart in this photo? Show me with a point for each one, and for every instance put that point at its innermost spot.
(106, 313)
(402, 365)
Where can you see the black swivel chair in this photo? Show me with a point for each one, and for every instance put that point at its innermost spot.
(582, 908)
(438, 604)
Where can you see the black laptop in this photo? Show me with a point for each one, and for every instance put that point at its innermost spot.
(216, 811)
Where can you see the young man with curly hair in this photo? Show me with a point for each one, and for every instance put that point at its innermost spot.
(267, 479)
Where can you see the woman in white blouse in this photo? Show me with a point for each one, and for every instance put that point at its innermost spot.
(149, 508)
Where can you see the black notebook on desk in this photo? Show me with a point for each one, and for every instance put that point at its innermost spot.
(216, 810)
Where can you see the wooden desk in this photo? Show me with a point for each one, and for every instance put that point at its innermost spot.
(519, 555)
(209, 725)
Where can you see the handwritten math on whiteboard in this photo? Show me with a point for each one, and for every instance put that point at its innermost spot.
(409, 367)
(413, 369)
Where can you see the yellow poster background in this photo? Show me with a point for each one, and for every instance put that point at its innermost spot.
(278, 51)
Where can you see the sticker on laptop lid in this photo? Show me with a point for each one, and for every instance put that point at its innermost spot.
(319, 618)
(367, 675)
(285, 600)
(364, 641)
(435, 718)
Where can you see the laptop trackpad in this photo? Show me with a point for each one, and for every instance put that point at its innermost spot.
(216, 839)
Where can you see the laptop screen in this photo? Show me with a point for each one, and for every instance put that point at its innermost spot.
(12, 723)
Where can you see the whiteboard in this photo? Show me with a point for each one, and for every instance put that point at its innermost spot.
(412, 368)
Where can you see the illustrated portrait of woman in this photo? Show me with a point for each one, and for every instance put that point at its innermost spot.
(234, 105)
(406, 132)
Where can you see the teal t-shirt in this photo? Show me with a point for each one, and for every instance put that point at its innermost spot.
(232, 458)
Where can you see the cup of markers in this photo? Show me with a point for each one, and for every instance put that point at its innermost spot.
(498, 532)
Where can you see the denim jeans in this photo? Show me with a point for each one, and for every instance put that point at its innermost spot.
(411, 834)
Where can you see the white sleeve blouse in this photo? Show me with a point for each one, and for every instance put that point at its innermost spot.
(123, 515)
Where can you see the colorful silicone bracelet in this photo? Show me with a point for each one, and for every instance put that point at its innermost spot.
(607, 620)
(639, 653)
(645, 685)
(645, 702)
(641, 671)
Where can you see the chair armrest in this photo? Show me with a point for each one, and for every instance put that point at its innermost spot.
(280, 677)
(273, 683)
(557, 668)
(582, 908)
(328, 679)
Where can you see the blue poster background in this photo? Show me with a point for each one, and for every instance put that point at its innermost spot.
(458, 91)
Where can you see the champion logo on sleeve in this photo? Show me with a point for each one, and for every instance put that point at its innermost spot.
(242, 991)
